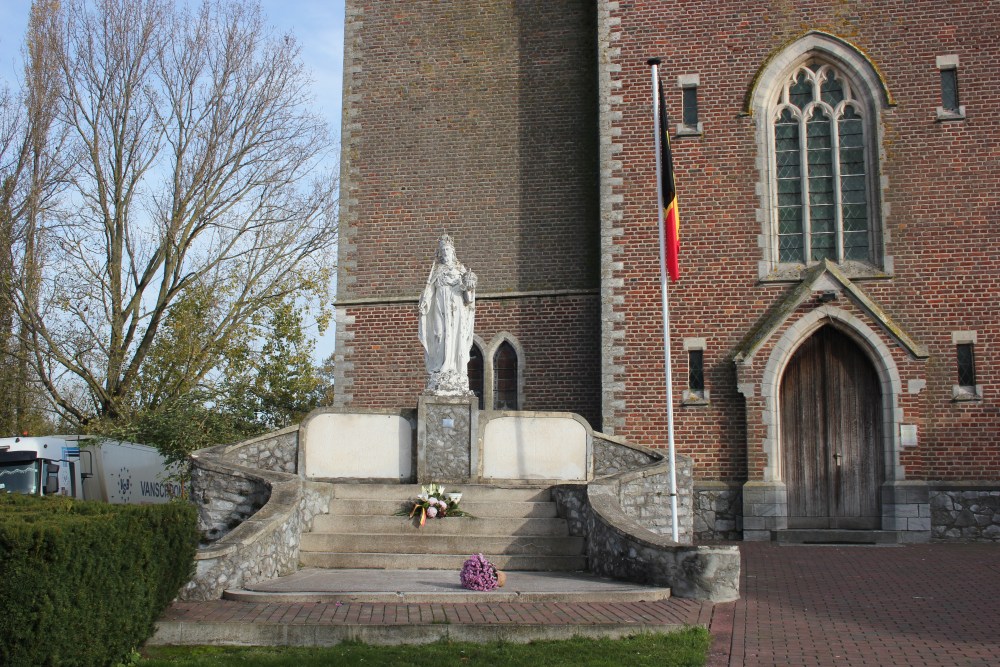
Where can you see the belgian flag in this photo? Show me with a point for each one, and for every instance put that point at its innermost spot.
(671, 217)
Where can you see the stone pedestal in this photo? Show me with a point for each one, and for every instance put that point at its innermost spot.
(445, 428)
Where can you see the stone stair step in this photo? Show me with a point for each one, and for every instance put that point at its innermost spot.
(422, 543)
(836, 536)
(395, 561)
(470, 492)
(522, 509)
(548, 527)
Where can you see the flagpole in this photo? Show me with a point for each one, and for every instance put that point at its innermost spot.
(665, 307)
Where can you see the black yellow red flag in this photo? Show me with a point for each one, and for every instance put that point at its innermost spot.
(671, 217)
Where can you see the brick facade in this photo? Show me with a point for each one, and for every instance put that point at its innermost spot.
(939, 215)
(524, 130)
(478, 119)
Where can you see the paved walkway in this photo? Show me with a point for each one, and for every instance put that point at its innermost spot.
(928, 605)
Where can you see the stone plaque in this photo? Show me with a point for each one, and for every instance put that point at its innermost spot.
(444, 438)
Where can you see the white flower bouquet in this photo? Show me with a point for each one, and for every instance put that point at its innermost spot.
(433, 503)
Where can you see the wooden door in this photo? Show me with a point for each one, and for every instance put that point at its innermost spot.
(831, 435)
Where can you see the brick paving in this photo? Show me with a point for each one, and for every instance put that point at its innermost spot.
(928, 605)
(675, 611)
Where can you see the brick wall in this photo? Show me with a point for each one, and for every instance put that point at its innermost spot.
(940, 222)
(477, 118)
(559, 336)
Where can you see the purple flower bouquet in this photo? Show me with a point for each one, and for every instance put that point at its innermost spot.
(479, 574)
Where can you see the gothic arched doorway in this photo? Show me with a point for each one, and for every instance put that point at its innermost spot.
(831, 435)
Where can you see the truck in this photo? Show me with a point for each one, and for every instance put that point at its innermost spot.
(87, 467)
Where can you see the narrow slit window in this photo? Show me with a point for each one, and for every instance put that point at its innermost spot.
(690, 108)
(690, 125)
(951, 105)
(949, 89)
(696, 372)
(475, 371)
(966, 365)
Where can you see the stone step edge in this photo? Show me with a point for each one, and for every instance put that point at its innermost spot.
(400, 526)
(384, 561)
(241, 633)
(639, 594)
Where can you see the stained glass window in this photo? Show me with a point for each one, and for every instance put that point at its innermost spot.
(821, 176)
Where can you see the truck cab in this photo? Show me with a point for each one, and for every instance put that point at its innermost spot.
(41, 466)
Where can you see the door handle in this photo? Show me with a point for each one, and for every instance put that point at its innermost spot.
(836, 459)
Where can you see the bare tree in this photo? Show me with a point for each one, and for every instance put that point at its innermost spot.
(197, 173)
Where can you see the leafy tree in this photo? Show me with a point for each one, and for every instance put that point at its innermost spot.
(262, 380)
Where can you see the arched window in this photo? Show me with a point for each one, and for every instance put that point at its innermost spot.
(505, 377)
(475, 372)
(817, 105)
(821, 170)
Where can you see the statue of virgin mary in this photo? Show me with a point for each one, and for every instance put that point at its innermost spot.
(447, 317)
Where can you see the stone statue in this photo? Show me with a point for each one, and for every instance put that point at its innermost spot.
(447, 318)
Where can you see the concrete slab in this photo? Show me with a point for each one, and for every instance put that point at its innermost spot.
(411, 586)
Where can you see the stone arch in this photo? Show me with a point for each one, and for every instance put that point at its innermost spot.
(826, 45)
(878, 354)
(870, 88)
(490, 378)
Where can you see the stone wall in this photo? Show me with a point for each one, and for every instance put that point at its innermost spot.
(718, 511)
(966, 514)
(277, 452)
(613, 455)
(620, 548)
(252, 517)
(625, 518)
(225, 499)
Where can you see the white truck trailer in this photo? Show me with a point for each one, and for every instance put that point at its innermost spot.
(86, 467)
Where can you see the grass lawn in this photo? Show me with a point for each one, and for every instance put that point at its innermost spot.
(680, 649)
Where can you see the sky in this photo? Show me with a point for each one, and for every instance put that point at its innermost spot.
(318, 25)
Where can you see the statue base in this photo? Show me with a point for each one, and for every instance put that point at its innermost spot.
(445, 428)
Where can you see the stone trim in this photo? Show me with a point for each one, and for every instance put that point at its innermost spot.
(827, 277)
(350, 175)
(765, 506)
(489, 368)
(949, 62)
(682, 130)
(343, 380)
(487, 296)
(611, 105)
(878, 353)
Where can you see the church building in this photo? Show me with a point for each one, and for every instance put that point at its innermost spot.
(835, 333)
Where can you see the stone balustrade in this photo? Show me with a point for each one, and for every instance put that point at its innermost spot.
(252, 508)
(625, 515)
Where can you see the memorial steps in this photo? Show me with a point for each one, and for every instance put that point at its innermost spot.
(515, 528)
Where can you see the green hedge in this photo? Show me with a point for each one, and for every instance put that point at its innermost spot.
(82, 583)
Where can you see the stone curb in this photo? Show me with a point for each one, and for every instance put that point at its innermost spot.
(175, 633)
(644, 594)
